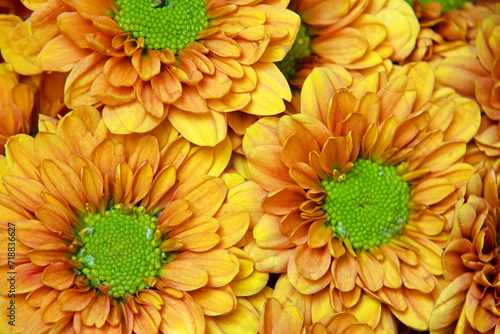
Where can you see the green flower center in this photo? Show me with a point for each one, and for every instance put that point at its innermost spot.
(300, 49)
(368, 205)
(164, 24)
(120, 249)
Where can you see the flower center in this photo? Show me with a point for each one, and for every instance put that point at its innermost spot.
(164, 24)
(368, 205)
(300, 49)
(120, 249)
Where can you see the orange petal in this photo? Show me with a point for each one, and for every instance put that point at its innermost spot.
(104, 92)
(96, 313)
(432, 191)
(176, 275)
(267, 233)
(301, 283)
(32, 233)
(266, 168)
(23, 163)
(166, 86)
(61, 180)
(215, 301)
(370, 271)
(284, 200)
(79, 82)
(146, 64)
(120, 72)
(297, 147)
(312, 263)
(74, 300)
(205, 194)
(319, 234)
(25, 191)
(220, 265)
(59, 276)
(147, 320)
(345, 271)
(50, 253)
(233, 224)
(28, 278)
(181, 315)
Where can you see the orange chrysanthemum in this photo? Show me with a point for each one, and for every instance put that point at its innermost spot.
(23, 99)
(361, 187)
(470, 303)
(477, 77)
(119, 233)
(356, 35)
(116, 60)
(444, 35)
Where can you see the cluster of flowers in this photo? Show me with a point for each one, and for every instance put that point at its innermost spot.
(291, 166)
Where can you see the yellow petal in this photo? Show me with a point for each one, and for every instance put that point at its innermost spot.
(205, 129)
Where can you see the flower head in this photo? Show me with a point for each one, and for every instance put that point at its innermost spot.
(361, 186)
(192, 62)
(356, 35)
(25, 98)
(121, 233)
(289, 311)
(470, 261)
(447, 33)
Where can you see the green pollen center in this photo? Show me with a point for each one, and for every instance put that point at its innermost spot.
(164, 24)
(120, 250)
(368, 205)
(300, 49)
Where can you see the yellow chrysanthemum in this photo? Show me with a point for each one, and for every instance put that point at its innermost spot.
(23, 99)
(289, 311)
(470, 303)
(361, 187)
(356, 35)
(119, 233)
(191, 61)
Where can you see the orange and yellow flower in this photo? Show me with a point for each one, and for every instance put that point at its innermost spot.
(23, 99)
(409, 135)
(356, 35)
(447, 34)
(477, 76)
(227, 65)
(58, 192)
(289, 311)
(470, 302)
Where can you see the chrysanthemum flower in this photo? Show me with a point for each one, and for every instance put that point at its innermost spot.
(470, 303)
(289, 311)
(477, 77)
(23, 99)
(356, 35)
(447, 34)
(18, 48)
(361, 188)
(190, 61)
(120, 233)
